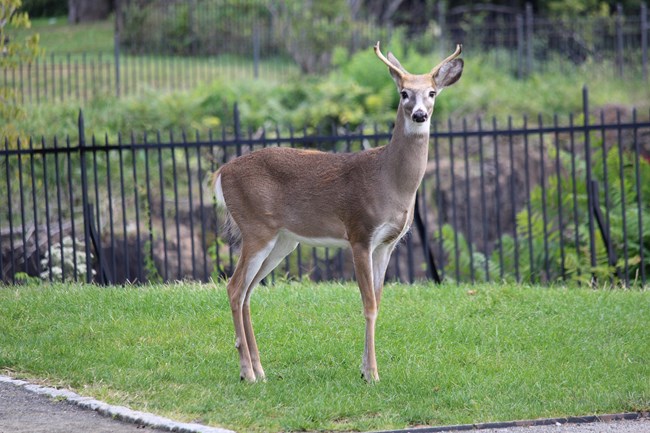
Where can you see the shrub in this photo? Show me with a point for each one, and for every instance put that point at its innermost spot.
(550, 249)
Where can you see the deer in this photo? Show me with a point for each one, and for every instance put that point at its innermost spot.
(277, 197)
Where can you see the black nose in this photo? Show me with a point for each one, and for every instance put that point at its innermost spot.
(419, 116)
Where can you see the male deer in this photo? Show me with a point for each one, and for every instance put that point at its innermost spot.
(277, 197)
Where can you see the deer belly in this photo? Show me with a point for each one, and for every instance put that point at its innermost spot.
(322, 241)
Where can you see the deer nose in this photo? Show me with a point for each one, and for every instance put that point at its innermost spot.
(419, 116)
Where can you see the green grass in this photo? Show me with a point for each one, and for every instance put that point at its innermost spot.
(56, 35)
(446, 355)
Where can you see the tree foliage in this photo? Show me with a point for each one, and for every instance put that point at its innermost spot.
(12, 52)
(45, 8)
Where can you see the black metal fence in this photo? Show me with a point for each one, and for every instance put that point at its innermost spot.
(528, 43)
(87, 76)
(558, 200)
(170, 45)
(261, 29)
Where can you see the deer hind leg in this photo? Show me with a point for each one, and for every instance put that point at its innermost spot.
(283, 246)
(363, 269)
(249, 264)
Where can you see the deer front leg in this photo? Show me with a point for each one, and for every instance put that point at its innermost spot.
(363, 269)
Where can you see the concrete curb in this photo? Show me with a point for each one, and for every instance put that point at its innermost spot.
(627, 416)
(142, 418)
(118, 412)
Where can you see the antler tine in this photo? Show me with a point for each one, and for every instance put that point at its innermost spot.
(394, 68)
(459, 49)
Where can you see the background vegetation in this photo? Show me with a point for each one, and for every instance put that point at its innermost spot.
(560, 247)
(358, 91)
(48, 8)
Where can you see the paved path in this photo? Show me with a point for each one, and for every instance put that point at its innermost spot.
(22, 411)
(26, 408)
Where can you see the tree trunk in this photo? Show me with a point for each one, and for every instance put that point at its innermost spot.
(80, 11)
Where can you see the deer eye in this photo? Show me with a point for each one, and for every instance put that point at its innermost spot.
(404, 95)
(432, 94)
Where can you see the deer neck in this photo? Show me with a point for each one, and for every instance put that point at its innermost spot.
(406, 155)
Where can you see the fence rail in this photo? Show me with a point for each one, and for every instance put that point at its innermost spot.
(552, 201)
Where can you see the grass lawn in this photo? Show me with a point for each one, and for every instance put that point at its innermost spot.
(56, 35)
(446, 354)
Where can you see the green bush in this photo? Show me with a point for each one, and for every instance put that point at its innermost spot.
(564, 248)
(360, 90)
(13, 51)
(177, 32)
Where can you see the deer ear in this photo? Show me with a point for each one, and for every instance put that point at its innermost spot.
(394, 61)
(448, 73)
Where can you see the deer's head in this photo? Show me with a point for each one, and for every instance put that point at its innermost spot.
(418, 92)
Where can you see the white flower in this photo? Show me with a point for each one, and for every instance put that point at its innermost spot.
(62, 260)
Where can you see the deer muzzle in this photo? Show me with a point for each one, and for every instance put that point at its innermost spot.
(420, 116)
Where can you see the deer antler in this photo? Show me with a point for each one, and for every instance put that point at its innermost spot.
(392, 67)
(459, 49)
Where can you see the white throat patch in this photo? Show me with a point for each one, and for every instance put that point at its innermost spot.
(415, 128)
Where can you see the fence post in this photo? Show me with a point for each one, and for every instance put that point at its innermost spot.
(619, 39)
(191, 24)
(644, 40)
(639, 198)
(590, 206)
(237, 128)
(529, 38)
(116, 54)
(84, 196)
(432, 271)
(104, 273)
(520, 45)
(256, 52)
(602, 227)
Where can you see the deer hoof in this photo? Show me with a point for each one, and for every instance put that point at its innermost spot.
(259, 373)
(247, 376)
(370, 376)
